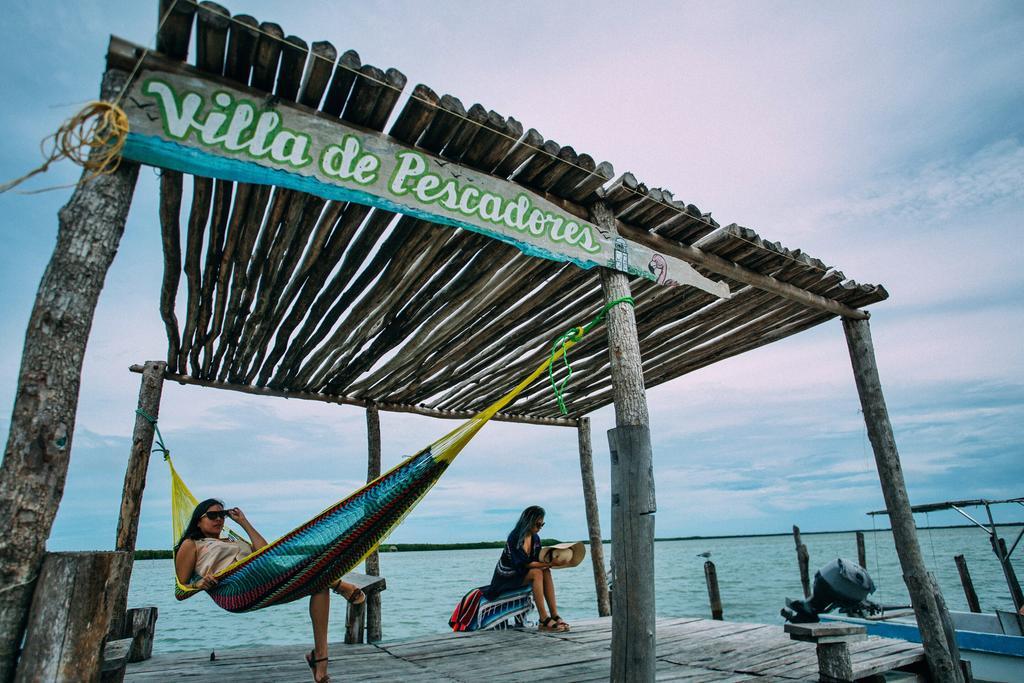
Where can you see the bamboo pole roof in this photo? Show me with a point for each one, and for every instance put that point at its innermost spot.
(288, 292)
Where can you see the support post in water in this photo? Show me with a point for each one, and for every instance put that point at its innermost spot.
(968, 584)
(803, 562)
(937, 650)
(862, 554)
(633, 505)
(604, 607)
(373, 614)
(714, 597)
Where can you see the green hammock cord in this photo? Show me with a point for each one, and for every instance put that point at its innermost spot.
(574, 335)
(160, 447)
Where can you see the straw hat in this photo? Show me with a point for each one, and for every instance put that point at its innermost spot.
(563, 555)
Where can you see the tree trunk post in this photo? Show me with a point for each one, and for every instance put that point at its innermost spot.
(38, 447)
(373, 615)
(70, 618)
(862, 553)
(633, 504)
(150, 391)
(937, 650)
(714, 597)
(968, 584)
(604, 607)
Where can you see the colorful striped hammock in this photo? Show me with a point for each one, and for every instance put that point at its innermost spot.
(310, 558)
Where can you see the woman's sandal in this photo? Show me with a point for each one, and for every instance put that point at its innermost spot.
(552, 625)
(560, 624)
(356, 597)
(313, 661)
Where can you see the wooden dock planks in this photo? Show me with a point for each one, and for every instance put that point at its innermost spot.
(688, 649)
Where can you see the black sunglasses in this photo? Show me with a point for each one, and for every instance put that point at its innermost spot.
(215, 514)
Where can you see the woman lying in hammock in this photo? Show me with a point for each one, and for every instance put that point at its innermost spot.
(201, 553)
(520, 565)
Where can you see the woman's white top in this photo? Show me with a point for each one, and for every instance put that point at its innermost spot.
(214, 554)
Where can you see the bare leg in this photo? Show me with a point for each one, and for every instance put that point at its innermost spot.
(536, 580)
(549, 595)
(549, 591)
(319, 614)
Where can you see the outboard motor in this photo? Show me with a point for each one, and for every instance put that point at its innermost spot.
(839, 584)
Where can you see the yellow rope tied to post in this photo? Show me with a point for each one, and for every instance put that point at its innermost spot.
(93, 138)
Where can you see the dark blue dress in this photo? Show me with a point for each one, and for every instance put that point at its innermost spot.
(511, 568)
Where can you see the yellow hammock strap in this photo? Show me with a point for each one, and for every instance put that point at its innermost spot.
(449, 445)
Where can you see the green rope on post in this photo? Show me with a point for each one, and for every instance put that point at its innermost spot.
(574, 335)
(159, 437)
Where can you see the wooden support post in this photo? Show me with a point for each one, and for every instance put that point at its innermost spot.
(711, 577)
(862, 554)
(355, 615)
(70, 617)
(633, 505)
(135, 481)
(35, 462)
(355, 624)
(373, 615)
(832, 645)
(604, 607)
(890, 474)
(968, 584)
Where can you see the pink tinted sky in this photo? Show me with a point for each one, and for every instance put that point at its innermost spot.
(884, 139)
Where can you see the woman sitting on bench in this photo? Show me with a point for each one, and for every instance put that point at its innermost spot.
(520, 566)
(201, 553)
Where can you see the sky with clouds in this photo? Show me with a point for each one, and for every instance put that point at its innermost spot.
(886, 139)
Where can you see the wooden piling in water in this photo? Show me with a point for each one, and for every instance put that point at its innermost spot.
(803, 562)
(714, 597)
(862, 555)
(968, 584)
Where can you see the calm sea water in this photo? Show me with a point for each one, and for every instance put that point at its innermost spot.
(755, 575)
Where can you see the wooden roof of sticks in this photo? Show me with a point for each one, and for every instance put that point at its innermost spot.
(317, 297)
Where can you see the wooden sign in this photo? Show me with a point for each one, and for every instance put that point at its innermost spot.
(197, 126)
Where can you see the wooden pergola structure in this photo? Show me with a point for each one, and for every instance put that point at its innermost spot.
(295, 287)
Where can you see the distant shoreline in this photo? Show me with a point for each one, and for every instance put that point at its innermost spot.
(483, 545)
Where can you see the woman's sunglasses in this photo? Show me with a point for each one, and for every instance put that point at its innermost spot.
(216, 514)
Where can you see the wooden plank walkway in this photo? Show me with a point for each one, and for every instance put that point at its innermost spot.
(688, 649)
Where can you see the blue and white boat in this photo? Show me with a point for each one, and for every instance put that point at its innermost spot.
(992, 643)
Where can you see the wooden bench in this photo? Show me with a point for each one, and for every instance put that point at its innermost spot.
(355, 615)
(832, 641)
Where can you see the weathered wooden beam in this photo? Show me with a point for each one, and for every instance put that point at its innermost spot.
(633, 504)
(604, 607)
(150, 392)
(362, 403)
(70, 616)
(890, 474)
(373, 608)
(38, 449)
(717, 264)
(862, 555)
